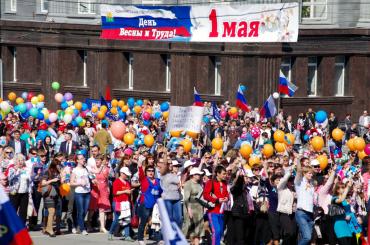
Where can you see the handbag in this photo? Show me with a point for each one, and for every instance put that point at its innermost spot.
(335, 210)
(134, 218)
(200, 199)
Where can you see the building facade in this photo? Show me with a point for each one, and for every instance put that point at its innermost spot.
(58, 40)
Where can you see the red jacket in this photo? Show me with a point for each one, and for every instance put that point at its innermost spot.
(219, 190)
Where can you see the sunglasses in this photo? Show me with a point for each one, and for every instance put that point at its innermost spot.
(42, 155)
(150, 171)
(8, 152)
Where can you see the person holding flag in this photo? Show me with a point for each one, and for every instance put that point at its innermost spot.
(286, 87)
(241, 101)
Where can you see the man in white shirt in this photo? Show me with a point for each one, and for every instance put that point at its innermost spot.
(364, 122)
(17, 144)
(91, 163)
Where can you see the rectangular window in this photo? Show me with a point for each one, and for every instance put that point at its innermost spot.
(286, 67)
(85, 68)
(312, 76)
(168, 73)
(217, 76)
(13, 5)
(43, 6)
(340, 66)
(130, 71)
(314, 9)
(14, 54)
(151, 2)
(85, 7)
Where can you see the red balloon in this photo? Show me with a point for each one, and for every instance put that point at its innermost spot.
(118, 129)
(146, 116)
(367, 149)
(235, 116)
(29, 96)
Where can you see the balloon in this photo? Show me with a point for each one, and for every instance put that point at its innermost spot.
(29, 105)
(317, 143)
(146, 123)
(245, 150)
(19, 100)
(321, 116)
(33, 112)
(94, 109)
(70, 102)
(125, 108)
(359, 143)
(165, 114)
(175, 133)
(79, 120)
(165, 106)
(67, 118)
(122, 115)
(361, 155)
(42, 134)
(233, 110)
(40, 105)
(22, 108)
(24, 95)
(84, 107)
(64, 189)
(69, 111)
(55, 85)
(29, 96)
(217, 143)
(131, 102)
(280, 147)
(101, 114)
(367, 149)
(351, 144)
(78, 105)
(129, 138)
(121, 103)
(255, 132)
(12, 96)
(187, 144)
(275, 95)
(114, 110)
(337, 134)
(137, 109)
(192, 134)
(118, 129)
(206, 119)
(40, 97)
(68, 96)
(45, 112)
(323, 160)
(220, 152)
(289, 139)
(148, 140)
(268, 150)
(279, 136)
(223, 114)
(254, 160)
(139, 102)
(58, 97)
(40, 116)
(234, 116)
(53, 117)
(146, 115)
(149, 110)
(5, 106)
(306, 137)
(157, 115)
(243, 88)
(114, 103)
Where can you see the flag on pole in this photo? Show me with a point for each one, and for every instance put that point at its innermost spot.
(12, 228)
(197, 99)
(269, 108)
(215, 112)
(286, 87)
(241, 101)
(172, 234)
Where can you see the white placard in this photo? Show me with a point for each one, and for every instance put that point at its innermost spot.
(187, 118)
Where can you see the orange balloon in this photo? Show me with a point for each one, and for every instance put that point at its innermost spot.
(114, 110)
(12, 96)
(104, 108)
(192, 134)
(94, 109)
(337, 134)
(78, 105)
(289, 139)
(254, 160)
(268, 150)
(149, 140)
(129, 138)
(137, 109)
(217, 143)
(125, 108)
(351, 144)
(279, 136)
(214, 151)
(40, 97)
(19, 100)
(101, 114)
(121, 103)
(175, 133)
(64, 189)
(187, 144)
(165, 114)
(118, 129)
(317, 143)
(280, 147)
(323, 160)
(359, 143)
(149, 110)
(361, 155)
(114, 103)
(245, 150)
(233, 110)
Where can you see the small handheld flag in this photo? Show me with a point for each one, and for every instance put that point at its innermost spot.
(215, 112)
(241, 101)
(269, 108)
(197, 99)
(286, 87)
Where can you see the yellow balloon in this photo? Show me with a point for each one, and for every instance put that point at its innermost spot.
(254, 160)
(268, 150)
(124, 108)
(214, 151)
(187, 144)
(78, 105)
(149, 110)
(148, 140)
(233, 110)
(114, 103)
(337, 134)
(114, 110)
(34, 100)
(280, 147)
(279, 136)
(192, 134)
(317, 143)
(323, 160)
(41, 97)
(69, 111)
(245, 150)
(101, 114)
(94, 109)
(174, 133)
(289, 139)
(217, 143)
(359, 143)
(165, 114)
(361, 155)
(129, 138)
(12, 96)
(137, 109)
(121, 103)
(19, 100)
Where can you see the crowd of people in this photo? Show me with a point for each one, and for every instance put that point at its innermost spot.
(65, 178)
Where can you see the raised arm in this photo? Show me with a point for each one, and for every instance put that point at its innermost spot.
(283, 181)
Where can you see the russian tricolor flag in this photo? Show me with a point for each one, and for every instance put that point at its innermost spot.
(286, 87)
(241, 101)
(269, 108)
(12, 229)
(197, 99)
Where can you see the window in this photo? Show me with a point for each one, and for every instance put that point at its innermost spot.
(130, 71)
(217, 76)
(168, 73)
(314, 9)
(85, 68)
(286, 67)
(14, 53)
(13, 5)
(312, 76)
(43, 6)
(340, 66)
(151, 2)
(85, 7)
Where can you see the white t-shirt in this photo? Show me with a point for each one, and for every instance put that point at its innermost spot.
(82, 177)
(24, 181)
(91, 164)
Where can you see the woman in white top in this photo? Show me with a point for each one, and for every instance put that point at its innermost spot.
(19, 183)
(80, 180)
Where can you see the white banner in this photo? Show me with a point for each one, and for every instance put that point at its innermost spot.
(187, 118)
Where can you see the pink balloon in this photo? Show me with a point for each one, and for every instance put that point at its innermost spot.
(53, 117)
(146, 116)
(223, 114)
(59, 97)
(255, 132)
(128, 151)
(367, 149)
(118, 129)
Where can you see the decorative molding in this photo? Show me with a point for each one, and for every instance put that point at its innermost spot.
(332, 100)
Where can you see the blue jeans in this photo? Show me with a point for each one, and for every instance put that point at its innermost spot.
(126, 229)
(305, 224)
(144, 214)
(216, 222)
(174, 210)
(82, 204)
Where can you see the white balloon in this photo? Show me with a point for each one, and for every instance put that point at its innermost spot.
(275, 95)
(4, 106)
(67, 118)
(53, 117)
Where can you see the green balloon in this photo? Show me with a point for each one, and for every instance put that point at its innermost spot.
(55, 85)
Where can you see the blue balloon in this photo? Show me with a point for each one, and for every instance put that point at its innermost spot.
(305, 137)
(40, 105)
(47, 121)
(122, 115)
(1, 117)
(243, 88)
(157, 115)
(40, 116)
(79, 120)
(41, 134)
(64, 105)
(139, 102)
(74, 123)
(206, 119)
(136, 142)
(84, 107)
(75, 111)
(321, 116)
(24, 95)
(131, 102)
(147, 123)
(33, 112)
(22, 108)
(16, 108)
(25, 115)
(165, 106)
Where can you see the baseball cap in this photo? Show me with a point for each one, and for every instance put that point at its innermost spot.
(194, 171)
(188, 163)
(125, 170)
